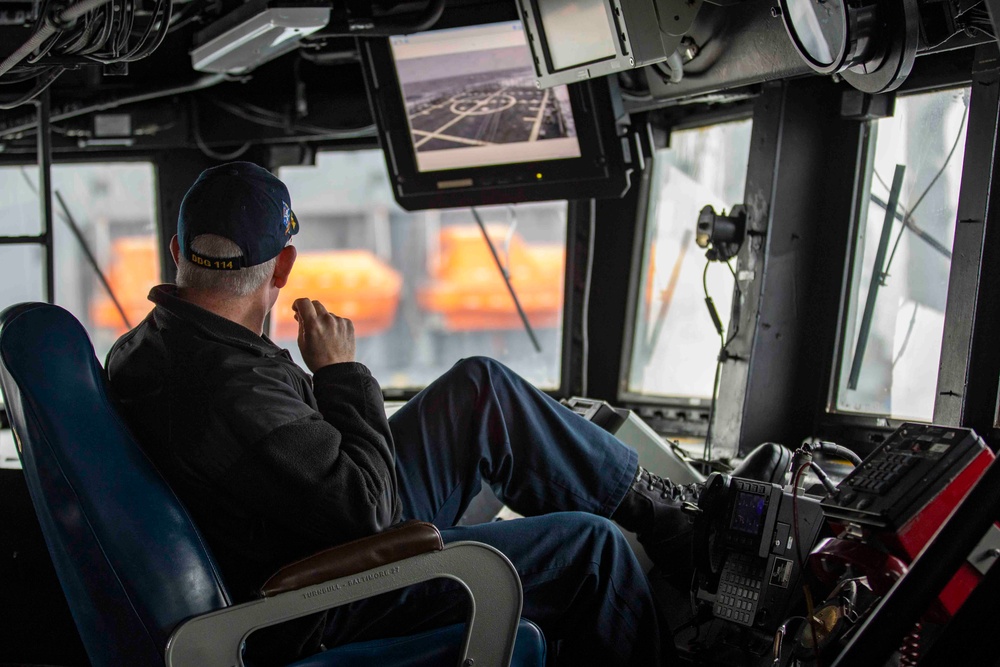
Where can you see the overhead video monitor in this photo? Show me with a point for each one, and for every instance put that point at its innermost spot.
(462, 122)
(575, 40)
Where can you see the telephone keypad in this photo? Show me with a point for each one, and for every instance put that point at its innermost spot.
(739, 588)
(907, 471)
(881, 475)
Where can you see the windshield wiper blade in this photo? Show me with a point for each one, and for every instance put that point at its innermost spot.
(878, 275)
(506, 279)
(68, 219)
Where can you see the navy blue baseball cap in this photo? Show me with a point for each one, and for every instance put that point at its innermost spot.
(242, 202)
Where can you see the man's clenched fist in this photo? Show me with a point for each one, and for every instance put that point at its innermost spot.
(324, 338)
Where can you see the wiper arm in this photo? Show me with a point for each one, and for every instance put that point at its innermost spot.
(667, 295)
(68, 219)
(878, 275)
(908, 222)
(506, 278)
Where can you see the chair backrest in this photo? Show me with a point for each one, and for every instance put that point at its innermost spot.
(130, 560)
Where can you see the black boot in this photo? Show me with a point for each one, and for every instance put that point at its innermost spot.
(653, 508)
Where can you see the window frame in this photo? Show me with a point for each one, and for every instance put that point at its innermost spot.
(685, 415)
(854, 266)
(46, 235)
(978, 407)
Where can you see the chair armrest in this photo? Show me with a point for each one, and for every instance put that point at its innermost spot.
(403, 541)
(492, 583)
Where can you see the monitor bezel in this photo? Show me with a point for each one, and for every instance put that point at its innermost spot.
(646, 32)
(536, 21)
(602, 170)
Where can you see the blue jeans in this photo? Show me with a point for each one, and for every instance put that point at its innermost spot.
(582, 584)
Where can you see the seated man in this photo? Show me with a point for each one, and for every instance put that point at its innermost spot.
(275, 464)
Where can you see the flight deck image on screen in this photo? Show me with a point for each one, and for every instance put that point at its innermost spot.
(471, 99)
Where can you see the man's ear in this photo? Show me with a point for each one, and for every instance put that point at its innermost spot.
(283, 267)
(175, 250)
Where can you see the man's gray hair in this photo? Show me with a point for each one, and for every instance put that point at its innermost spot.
(243, 282)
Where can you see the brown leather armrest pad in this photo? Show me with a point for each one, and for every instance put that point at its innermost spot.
(403, 541)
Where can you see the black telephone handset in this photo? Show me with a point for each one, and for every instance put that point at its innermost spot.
(707, 530)
(745, 564)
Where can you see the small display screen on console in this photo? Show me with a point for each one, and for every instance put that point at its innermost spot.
(748, 513)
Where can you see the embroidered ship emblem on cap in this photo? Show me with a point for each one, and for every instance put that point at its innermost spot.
(287, 217)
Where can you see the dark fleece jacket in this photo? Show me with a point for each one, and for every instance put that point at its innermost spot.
(272, 465)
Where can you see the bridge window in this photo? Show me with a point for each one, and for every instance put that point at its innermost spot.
(675, 345)
(423, 289)
(114, 205)
(113, 208)
(894, 321)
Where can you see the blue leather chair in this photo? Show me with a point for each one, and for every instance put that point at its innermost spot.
(140, 582)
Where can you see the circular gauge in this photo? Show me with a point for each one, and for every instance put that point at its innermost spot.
(818, 28)
(831, 35)
(871, 43)
(897, 51)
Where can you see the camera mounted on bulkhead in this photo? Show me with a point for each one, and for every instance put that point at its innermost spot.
(720, 234)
